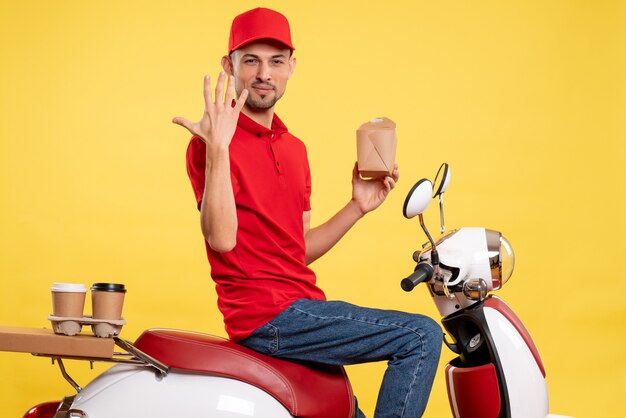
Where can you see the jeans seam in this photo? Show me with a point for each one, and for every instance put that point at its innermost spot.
(415, 373)
(360, 320)
(273, 333)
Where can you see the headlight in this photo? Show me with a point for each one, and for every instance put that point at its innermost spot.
(501, 258)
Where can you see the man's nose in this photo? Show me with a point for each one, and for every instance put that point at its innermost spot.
(264, 72)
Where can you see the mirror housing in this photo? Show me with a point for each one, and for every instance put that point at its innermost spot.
(418, 199)
(442, 180)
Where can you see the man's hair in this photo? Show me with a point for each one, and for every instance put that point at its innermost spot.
(231, 55)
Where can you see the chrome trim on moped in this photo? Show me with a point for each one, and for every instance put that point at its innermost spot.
(76, 413)
(67, 376)
(66, 407)
(142, 357)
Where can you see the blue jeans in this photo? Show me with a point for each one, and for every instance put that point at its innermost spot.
(338, 333)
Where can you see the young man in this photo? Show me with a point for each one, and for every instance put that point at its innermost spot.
(252, 184)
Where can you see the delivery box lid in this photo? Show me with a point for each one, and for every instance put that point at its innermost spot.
(45, 341)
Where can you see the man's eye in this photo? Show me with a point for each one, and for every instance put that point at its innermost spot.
(278, 62)
(250, 61)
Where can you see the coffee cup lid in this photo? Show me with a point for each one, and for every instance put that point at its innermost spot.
(68, 287)
(108, 287)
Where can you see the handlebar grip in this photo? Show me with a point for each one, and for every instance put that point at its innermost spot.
(423, 272)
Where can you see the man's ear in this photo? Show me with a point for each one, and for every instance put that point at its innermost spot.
(292, 66)
(227, 64)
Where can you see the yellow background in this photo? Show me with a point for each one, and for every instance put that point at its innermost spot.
(524, 99)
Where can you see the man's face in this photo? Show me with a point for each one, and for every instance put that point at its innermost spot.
(262, 67)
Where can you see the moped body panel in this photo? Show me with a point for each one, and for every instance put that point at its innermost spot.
(134, 391)
(499, 373)
(526, 386)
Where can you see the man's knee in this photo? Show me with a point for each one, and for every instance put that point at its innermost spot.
(431, 334)
(437, 336)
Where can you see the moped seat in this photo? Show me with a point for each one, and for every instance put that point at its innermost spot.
(307, 391)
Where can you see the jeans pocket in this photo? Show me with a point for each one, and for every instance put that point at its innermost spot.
(273, 338)
(264, 339)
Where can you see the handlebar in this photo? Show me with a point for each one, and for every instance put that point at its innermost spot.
(423, 272)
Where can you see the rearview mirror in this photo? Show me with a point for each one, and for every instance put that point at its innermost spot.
(418, 199)
(442, 180)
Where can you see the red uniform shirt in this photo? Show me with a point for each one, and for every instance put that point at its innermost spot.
(266, 270)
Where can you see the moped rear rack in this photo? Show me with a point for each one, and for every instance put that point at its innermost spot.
(130, 355)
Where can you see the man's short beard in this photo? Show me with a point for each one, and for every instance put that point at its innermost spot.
(258, 104)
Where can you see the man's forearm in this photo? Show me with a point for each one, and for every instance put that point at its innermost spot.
(218, 215)
(323, 237)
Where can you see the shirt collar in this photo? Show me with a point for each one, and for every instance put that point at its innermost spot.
(249, 125)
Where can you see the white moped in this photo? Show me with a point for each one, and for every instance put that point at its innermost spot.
(498, 372)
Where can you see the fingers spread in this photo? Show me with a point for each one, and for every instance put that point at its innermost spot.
(208, 100)
(179, 121)
(187, 124)
(230, 91)
(219, 90)
(241, 100)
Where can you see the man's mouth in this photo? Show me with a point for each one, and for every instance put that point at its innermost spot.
(263, 89)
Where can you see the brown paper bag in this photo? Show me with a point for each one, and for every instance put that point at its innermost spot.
(376, 143)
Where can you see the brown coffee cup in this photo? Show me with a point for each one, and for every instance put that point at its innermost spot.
(107, 300)
(68, 299)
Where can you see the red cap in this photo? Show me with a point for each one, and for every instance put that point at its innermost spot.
(259, 23)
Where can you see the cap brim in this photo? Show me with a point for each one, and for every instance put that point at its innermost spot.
(258, 38)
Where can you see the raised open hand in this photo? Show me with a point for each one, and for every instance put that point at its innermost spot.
(219, 120)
